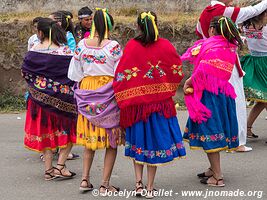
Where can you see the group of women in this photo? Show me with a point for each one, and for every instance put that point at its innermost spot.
(102, 97)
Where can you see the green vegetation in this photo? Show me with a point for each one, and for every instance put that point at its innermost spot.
(11, 103)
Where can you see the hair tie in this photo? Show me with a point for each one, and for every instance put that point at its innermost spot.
(108, 24)
(151, 17)
(67, 20)
(220, 21)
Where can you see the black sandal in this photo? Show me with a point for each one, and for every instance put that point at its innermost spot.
(139, 194)
(203, 175)
(51, 176)
(87, 188)
(61, 175)
(205, 181)
(254, 136)
(103, 194)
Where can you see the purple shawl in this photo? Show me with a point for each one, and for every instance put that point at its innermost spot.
(101, 109)
(99, 106)
(48, 84)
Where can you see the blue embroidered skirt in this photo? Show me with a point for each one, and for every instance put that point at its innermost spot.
(155, 142)
(220, 132)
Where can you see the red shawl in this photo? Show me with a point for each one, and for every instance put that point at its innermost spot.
(146, 79)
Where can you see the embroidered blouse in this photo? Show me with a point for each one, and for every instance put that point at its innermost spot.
(62, 50)
(94, 61)
(256, 40)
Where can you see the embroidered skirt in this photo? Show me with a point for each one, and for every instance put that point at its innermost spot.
(155, 142)
(220, 132)
(45, 130)
(255, 80)
(88, 135)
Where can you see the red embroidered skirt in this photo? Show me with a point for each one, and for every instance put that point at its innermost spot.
(47, 130)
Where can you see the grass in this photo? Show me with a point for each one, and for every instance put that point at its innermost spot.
(11, 103)
(122, 15)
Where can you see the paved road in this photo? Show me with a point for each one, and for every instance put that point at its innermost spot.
(22, 171)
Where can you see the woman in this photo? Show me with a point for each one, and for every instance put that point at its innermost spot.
(93, 67)
(210, 97)
(255, 66)
(64, 19)
(51, 112)
(147, 78)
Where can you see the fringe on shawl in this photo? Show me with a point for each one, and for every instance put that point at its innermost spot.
(133, 114)
(202, 81)
(58, 122)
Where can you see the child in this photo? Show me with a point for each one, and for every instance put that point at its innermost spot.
(255, 66)
(64, 18)
(33, 40)
(147, 78)
(51, 111)
(212, 124)
(93, 67)
(82, 30)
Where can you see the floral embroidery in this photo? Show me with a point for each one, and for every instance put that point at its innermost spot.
(226, 66)
(252, 93)
(67, 50)
(153, 154)
(254, 34)
(93, 139)
(149, 74)
(51, 137)
(101, 59)
(115, 51)
(177, 70)
(40, 83)
(43, 83)
(211, 138)
(77, 50)
(128, 74)
(94, 109)
(145, 90)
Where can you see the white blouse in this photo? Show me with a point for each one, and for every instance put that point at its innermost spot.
(257, 40)
(94, 61)
(62, 50)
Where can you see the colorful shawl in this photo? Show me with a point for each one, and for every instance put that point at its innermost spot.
(213, 60)
(146, 79)
(48, 85)
(101, 109)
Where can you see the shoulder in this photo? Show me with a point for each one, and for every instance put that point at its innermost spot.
(114, 48)
(80, 47)
(165, 43)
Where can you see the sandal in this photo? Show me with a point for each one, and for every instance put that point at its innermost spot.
(251, 135)
(73, 156)
(61, 175)
(205, 181)
(107, 189)
(87, 188)
(150, 193)
(49, 174)
(203, 175)
(141, 187)
(243, 148)
(42, 157)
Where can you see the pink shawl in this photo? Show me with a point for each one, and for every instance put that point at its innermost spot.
(213, 60)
